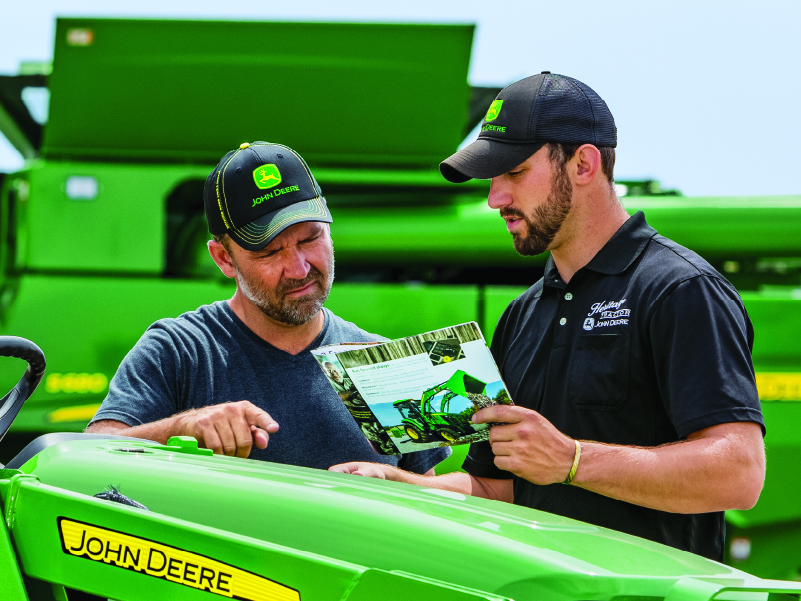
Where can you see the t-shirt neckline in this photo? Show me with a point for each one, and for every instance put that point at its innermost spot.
(227, 310)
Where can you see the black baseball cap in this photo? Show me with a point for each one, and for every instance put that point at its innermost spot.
(258, 190)
(524, 117)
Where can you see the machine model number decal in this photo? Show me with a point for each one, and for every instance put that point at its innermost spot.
(779, 386)
(80, 383)
(168, 563)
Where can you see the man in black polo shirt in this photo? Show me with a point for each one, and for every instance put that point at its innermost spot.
(629, 362)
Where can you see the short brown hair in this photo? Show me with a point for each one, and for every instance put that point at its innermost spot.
(561, 153)
(223, 239)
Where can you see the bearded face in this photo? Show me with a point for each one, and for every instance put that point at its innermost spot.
(274, 303)
(545, 220)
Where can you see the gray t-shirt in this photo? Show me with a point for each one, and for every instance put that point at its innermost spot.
(210, 356)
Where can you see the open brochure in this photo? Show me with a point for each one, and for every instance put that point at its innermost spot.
(418, 392)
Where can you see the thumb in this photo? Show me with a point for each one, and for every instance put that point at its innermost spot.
(345, 468)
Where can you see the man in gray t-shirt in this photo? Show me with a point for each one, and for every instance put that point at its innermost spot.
(239, 374)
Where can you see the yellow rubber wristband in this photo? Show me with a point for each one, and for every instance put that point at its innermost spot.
(573, 469)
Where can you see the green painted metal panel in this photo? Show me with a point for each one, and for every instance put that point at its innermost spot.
(343, 93)
(399, 310)
(714, 226)
(769, 550)
(11, 584)
(122, 230)
(776, 316)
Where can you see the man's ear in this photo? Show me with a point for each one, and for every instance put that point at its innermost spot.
(588, 163)
(222, 258)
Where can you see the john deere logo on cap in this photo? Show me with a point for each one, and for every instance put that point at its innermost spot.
(266, 176)
(494, 110)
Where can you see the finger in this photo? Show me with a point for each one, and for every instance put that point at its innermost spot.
(499, 413)
(259, 417)
(502, 449)
(506, 463)
(227, 437)
(502, 433)
(260, 437)
(243, 437)
(211, 440)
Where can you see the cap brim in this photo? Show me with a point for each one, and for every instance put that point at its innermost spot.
(260, 232)
(485, 159)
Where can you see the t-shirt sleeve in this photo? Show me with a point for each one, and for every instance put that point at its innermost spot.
(701, 338)
(146, 387)
(422, 461)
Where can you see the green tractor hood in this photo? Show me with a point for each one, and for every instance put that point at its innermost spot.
(317, 534)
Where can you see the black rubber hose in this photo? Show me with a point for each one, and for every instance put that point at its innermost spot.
(20, 348)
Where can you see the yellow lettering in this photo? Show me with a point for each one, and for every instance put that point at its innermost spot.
(178, 566)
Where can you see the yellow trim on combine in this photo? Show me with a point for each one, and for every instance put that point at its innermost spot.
(79, 413)
(779, 386)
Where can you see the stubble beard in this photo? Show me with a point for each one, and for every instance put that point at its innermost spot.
(546, 220)
(290, 311)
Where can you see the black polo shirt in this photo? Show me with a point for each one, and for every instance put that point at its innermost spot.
(645, 345)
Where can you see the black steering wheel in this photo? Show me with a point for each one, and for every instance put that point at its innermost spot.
(12, 346)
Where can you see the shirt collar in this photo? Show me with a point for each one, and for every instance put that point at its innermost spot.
(617, 254)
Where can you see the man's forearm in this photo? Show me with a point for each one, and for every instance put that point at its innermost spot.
(159, 431)
(710, 472)
(460, 482)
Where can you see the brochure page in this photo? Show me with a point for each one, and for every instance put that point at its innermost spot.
(418, 392)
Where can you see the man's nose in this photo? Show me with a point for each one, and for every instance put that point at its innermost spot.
(498, 197)
(296, 266)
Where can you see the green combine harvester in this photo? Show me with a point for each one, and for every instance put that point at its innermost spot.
(430, 418)
(102, 233)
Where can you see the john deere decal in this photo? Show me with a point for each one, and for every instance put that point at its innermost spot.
(168, 563)
(266, 176)
(494, 110)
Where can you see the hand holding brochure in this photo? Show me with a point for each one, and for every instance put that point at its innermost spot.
(418, 392)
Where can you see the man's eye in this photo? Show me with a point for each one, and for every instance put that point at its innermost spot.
(515, 173)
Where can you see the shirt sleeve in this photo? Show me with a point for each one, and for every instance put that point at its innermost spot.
(701, 338)
(146, 386)
(480, 460)
(422, 461)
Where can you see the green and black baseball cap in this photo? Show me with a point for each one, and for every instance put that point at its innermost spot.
(258, 190)
(524, 117)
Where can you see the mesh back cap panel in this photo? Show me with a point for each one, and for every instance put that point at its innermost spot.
(526, 114)
(570, 112)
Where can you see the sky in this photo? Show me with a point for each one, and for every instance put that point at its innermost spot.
(704, 93)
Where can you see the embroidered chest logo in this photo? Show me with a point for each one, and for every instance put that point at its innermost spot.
(607, 313)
